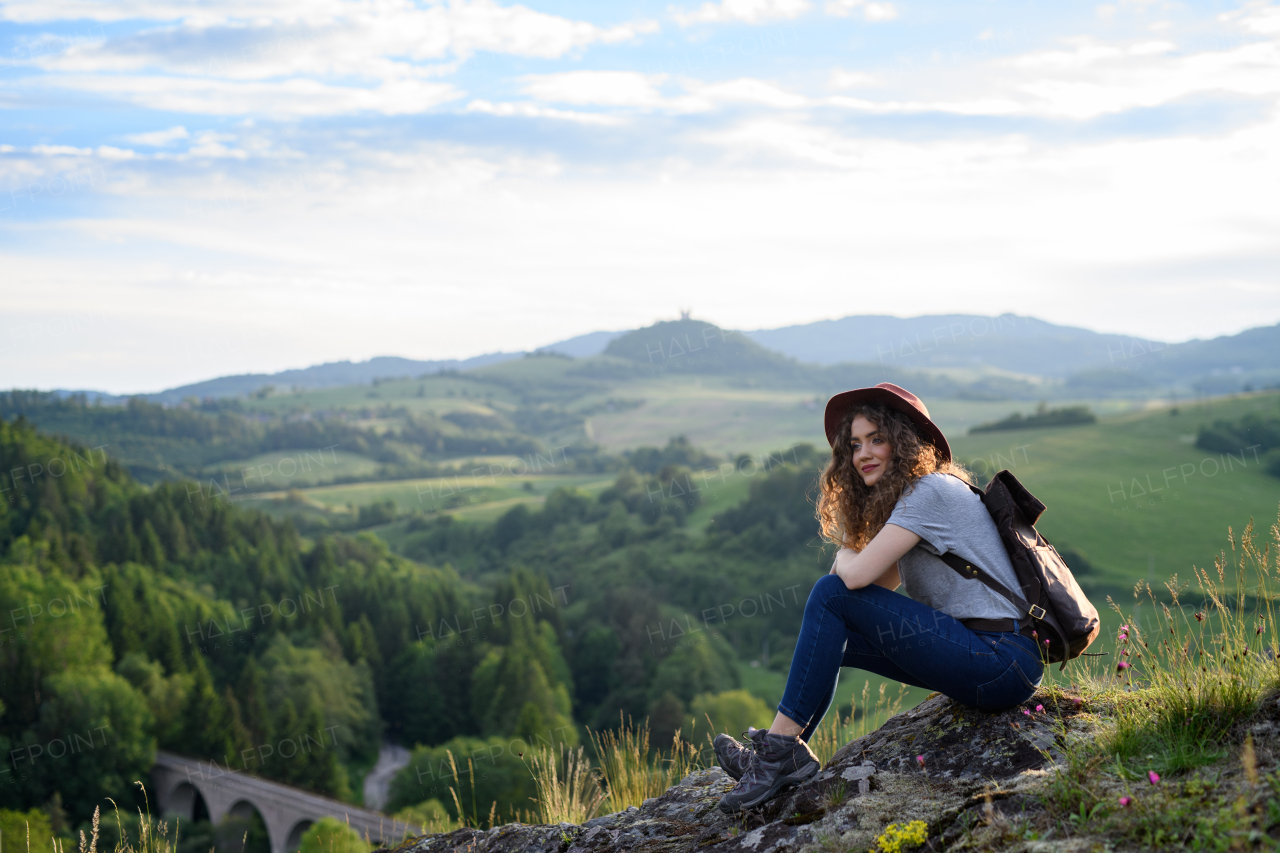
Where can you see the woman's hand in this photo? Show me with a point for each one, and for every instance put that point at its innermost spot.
(862, 568)
(843, 559)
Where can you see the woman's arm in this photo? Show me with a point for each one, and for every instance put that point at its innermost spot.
(890, 579)
(878, 562)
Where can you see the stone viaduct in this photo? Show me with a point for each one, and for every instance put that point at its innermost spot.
(287, 812)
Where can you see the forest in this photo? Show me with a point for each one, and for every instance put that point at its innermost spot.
(143, 618)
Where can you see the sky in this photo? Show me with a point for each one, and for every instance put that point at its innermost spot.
(196, 188)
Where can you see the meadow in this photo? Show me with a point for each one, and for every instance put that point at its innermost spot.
(1132, 494)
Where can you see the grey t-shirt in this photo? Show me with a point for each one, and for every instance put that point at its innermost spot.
(947, 516)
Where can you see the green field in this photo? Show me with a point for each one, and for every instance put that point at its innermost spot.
(436, 394)
(722, 414)
(1132, 492)
(291, 469)
(463, 495)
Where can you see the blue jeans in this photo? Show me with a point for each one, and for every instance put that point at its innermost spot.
(891, 635)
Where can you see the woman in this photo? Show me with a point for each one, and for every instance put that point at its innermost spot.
(893, 501)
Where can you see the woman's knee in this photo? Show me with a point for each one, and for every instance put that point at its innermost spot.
(827, 587)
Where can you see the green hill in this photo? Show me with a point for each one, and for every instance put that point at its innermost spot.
(1132, 492)
(695, 346)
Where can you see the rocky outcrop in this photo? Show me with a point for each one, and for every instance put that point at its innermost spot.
(934, 763)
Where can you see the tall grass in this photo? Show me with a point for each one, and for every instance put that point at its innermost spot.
(632, 771)
(473, 819)
(834, 731)
(1191, 673)
(152, 834)
(572, 797)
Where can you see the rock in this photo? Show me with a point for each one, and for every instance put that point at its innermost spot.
(869, 783)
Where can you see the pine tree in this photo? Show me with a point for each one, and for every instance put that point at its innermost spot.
(208, 729)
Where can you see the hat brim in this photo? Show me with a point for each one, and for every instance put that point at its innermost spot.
(840, 404)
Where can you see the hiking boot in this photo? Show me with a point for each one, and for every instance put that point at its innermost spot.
(735, 757)
(779, 763)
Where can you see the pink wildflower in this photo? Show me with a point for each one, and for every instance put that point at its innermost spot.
(1039, 709)
(1123, 637)
(1153, 777)
(1025, 711)
(1124, 664)
(920, 760)
(1126, 801)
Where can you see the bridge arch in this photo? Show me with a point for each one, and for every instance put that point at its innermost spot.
(182, 783)
(244, 810)
(250, 824)
(294, 841)
(185, 801)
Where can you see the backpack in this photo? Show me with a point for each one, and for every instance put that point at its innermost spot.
(1054, 610)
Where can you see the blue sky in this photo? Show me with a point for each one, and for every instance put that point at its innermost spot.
(197, 188)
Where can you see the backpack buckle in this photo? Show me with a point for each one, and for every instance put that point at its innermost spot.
(1034, 614)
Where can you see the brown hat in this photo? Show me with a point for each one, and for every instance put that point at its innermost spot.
(886, 394)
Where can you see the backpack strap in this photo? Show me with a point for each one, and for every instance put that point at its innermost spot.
(966, 569)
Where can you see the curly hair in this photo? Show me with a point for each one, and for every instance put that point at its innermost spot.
(849, 511)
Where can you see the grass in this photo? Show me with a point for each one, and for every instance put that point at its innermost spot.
(288, 469)
(868, 713)
(632, 772)
(568, 795)
(453, 495)
(1094, 479)
(1200, 671)
(1169, 711)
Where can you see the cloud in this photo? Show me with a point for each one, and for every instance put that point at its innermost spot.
(597, 88)
(525, 110)
(1258, 19)
(206, 12)
(327, 37)
(867, 10)
(1092, 78)
(742, 11)
(60, 150)
(841, 79)
(644, 91)
(159, 138)
(298, 97)
(746, 90)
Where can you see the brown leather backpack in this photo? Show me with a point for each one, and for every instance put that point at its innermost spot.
(1054, 610)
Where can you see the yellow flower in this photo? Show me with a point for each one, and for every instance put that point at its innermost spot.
(898, 836)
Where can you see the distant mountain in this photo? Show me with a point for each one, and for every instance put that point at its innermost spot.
(836, 352)
(1009, 342)
(1246, 361)
(583, 346)
(696, 346)
(101, 397)
(332, 374)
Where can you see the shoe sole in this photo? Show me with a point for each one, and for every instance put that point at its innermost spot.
(773, 790)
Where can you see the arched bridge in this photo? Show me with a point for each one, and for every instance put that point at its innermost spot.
(287, 812)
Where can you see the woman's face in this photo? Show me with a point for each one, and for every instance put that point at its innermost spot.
(871, 450)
